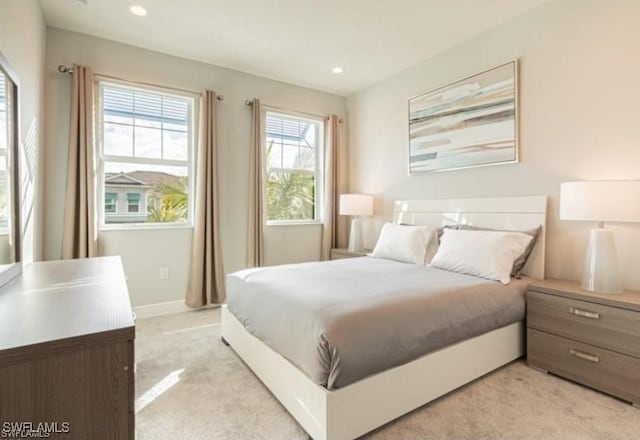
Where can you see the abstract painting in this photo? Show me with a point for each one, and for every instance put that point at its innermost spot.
(468, 123)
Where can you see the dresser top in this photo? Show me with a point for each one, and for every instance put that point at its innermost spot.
(60, 301)
(571, 289)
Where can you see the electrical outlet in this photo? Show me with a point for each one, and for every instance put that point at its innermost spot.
(164, 273)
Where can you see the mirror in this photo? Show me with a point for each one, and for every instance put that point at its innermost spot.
(9, 194)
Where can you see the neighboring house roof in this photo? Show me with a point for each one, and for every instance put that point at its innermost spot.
(156, 177)
(122, 179)
(143, 178)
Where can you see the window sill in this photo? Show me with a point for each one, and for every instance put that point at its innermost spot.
(295, 223)
(138, 227)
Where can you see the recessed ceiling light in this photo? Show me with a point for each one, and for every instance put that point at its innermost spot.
(138, 10)
(337, 69)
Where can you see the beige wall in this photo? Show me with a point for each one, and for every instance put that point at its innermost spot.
(22, 42)
(579, 90)
(144, 252)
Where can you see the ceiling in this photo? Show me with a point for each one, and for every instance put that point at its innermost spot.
(296, 41)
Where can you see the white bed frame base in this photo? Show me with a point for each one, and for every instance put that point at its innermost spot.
(354, 410)
(349, 412)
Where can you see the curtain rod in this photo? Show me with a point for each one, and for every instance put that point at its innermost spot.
(250, 102)
(64, 69)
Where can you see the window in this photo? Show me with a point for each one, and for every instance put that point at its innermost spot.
(5, 133)
(133, 202)
(146, 148)
(110, 202)
(293, 158)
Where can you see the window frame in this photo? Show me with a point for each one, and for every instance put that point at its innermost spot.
(4, 152)
(319, 165)
(101, 81)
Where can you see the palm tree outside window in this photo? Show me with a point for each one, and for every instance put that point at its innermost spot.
(293, 157)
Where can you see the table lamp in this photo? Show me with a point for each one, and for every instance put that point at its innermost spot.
(601, 201)
(355, 205)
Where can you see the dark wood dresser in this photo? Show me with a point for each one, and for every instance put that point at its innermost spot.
(589, 337)
(66, 351)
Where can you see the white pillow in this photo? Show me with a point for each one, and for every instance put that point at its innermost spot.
(485, 254)
(405, 243)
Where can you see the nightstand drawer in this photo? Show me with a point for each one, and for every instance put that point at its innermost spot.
(602, 369)
(604, 326)
(339, 253)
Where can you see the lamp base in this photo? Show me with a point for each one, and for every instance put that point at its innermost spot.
(601, 270)
(355, 236)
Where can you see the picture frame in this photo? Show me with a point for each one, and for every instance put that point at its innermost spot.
(471, 122)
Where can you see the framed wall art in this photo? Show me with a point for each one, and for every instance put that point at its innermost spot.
(468, 123)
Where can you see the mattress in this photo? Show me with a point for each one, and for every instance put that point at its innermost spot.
(343, 320)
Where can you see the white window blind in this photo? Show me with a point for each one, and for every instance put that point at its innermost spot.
(146, 107)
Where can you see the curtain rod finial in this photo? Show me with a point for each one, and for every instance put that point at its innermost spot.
(64, 69)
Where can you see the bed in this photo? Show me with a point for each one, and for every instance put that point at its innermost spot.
(339, 397)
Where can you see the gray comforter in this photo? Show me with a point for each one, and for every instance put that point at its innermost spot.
(341, 321)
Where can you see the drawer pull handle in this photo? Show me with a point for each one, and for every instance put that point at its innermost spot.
(585, 356)
(584, 313)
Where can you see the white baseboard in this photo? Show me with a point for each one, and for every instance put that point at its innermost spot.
(166, 308)
(161, 309)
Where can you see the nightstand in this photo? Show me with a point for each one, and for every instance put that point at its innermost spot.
(338, 253)
(588, 337)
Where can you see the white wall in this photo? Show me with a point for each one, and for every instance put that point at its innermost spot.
(144, 252)
(579, 90)
(22, 42)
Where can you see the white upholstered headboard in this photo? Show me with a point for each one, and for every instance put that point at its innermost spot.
(510, 213)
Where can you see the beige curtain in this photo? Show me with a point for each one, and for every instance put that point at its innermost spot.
(79, 239)
(206, 277)
(255, 235)
(334, 230)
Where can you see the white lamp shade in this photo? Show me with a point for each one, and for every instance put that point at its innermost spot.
(605, 200)
(356, 204)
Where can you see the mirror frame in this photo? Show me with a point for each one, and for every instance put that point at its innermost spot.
(14, 176)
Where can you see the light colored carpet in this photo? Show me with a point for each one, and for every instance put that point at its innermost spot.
(203, 391)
